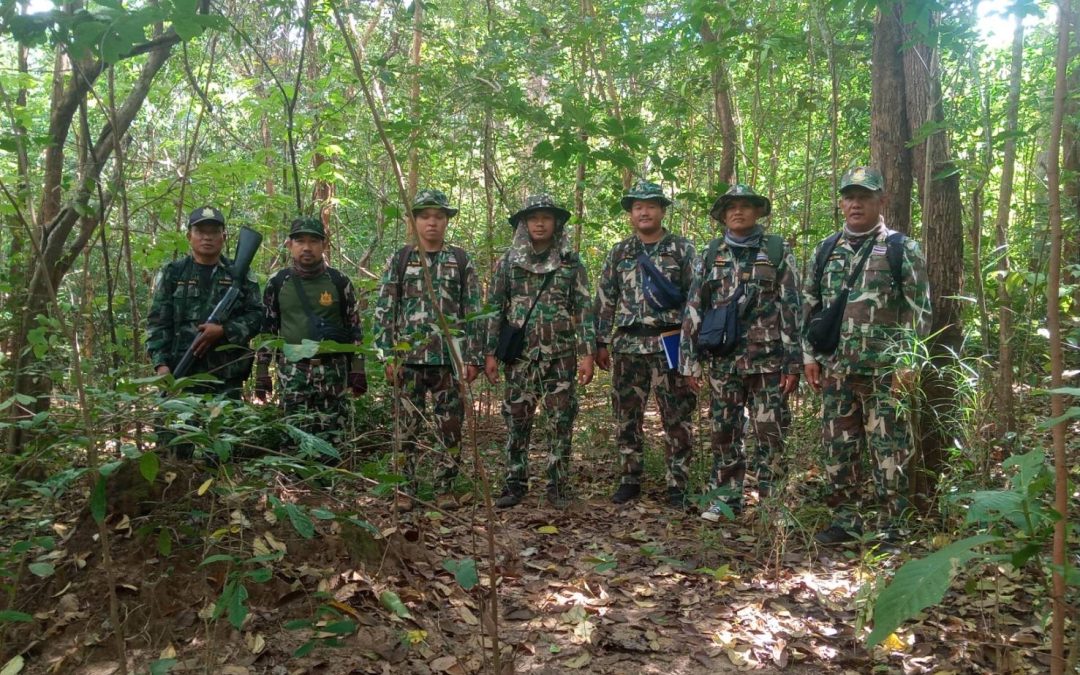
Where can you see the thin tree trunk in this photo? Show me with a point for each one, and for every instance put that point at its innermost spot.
(722, 105)
(889, 128)
(1004, 209)
(414, 97)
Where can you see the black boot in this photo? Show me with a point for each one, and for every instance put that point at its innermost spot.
(511, 496)
(626, 492)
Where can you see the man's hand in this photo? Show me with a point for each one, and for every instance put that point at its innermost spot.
(264, 385)
(813, 374)
(585, 370)
(209, 335)
(789, 383)
(694, 383)
(358, 383)
(603, 358)
(471, 372)
(162, 370)
(491, 369)
(903, 381)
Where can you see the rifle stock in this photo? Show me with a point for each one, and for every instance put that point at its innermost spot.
(247, 245)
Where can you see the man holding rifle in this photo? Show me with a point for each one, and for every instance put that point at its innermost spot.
(186, 291)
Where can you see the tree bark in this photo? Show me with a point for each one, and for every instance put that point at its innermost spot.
(889, 129)
(722, 105)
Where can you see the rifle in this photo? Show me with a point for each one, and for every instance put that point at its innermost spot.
(246, 245)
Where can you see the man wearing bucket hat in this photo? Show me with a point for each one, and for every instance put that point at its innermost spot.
(541, 293)
(410, 341)
(312, 301)
(865, 301)
(746, 286)
(185, 292)
(639, 300)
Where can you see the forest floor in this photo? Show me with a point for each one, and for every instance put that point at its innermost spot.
(325, 576)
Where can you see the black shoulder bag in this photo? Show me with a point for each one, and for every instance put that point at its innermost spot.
(823, 328)
(512, 340)
(719, 333)
(320, 328)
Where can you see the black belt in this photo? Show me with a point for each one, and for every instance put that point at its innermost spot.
(641, 330)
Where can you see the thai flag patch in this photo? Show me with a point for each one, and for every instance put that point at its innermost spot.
(879, 249)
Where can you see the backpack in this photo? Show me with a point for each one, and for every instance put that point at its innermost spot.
(339, 280)
(894, 253)
(401, 258)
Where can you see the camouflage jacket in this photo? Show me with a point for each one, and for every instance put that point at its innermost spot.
(769, 332)
(405, 320)
(880, 321)
(180, 305)
(562, 322)
(332, 298)
(620, 301)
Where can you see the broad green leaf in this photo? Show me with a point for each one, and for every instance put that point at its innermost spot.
(164, 542)
(41, 569)
(13, 666)
(161, 666)
(11, 616)
(238, 606)
(261, 575)
(920, 584)
(97, 500)
(217, 557)
(464, 572)
(149, 465)
(300, 521)
(392, 602)
(345, 627)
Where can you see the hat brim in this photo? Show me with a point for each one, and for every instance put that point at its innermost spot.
(718, 207)
(320, 235)
(627, 202)
(860, 185)
(450, 212)
(200, 221)
(561, 215)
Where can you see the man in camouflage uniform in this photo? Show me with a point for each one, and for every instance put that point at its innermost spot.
(312, 301)
(185, 292)
(764, 367)
(411, 343)
(632, 312)
(541, 280)
(888, 305)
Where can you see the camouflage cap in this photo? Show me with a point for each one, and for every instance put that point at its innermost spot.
(646, 191)
(205, 214)
(433, 199)
(307, 225)
(865, 177)
(540, 202)
(739, 191)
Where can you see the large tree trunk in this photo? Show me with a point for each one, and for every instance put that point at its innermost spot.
(889, 129)
(939, 192)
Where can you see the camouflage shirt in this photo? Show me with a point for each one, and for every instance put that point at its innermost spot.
(405, 320)
(332, 298)
(620, 301)
(880, 320)
(769, 331)
(181, 303)
(561, 323)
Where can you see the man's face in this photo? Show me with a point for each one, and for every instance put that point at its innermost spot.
(431, 226)
(861, 207)
(740, 216)
(541, 227)
(306, 249)
(646, 216)
(207, 239)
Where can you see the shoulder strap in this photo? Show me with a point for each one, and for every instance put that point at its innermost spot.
(774, 248)
(822, 257)
(543, 286)
(462, 260)
(401, 260)
(340, 282)
(894, 253)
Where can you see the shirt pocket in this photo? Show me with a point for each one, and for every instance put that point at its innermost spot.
(832, 279)
(764, 278)
(187, 301)
(412, 282)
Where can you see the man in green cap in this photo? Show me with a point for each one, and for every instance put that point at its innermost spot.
(411, 343)
(639, 301)
(540, 290)
(310, 300)
(865, 301)
(751, 274)
(185, 292)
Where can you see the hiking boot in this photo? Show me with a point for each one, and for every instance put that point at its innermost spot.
(835, 534)
(676, 498)
(558, 496)
(626, 492)
(511, 496)
(721, 509)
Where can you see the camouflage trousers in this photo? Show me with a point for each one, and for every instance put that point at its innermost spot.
(549, 383)
(633, 377)
(448, 413)
(731, 394)
(312, 394)
(861, 421)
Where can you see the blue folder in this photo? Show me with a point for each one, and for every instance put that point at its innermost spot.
(671, 340)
